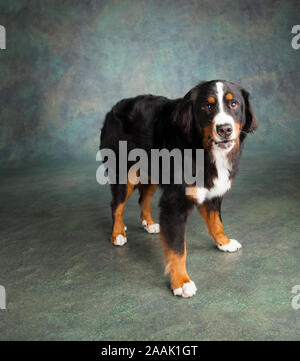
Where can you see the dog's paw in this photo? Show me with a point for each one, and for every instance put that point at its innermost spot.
(232, 246)
(188, 289)
(120, 240)
(152, 228)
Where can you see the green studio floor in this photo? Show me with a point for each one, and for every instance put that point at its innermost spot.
(65, 281)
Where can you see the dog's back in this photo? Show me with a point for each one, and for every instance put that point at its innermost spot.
(139, 121)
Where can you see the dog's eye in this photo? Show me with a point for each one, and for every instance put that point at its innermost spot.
(233, 104)
(207, 107)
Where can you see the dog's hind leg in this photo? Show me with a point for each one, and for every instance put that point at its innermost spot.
(146, 193)
(120, 194)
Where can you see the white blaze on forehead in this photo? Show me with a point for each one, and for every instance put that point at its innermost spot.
(222, 117)
(220, 95)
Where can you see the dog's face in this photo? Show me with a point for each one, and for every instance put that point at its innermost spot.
(219, 111)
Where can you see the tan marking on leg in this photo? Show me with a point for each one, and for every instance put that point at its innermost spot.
(118, 226)
(175, 266)
(146, 192)
(192, 193)
(214, 225)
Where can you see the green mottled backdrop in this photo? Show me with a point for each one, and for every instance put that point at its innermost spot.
(68, 62)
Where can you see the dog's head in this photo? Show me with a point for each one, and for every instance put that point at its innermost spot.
(220, 111)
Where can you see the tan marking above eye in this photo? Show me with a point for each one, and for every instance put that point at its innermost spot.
(211, 100)
(229, 96)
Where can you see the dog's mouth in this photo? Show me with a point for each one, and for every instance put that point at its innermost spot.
(225, 144)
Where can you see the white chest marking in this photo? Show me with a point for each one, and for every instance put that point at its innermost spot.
(221, 184)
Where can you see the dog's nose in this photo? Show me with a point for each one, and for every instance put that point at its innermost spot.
(224, 130)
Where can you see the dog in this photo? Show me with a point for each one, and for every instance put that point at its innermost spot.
(215, 116)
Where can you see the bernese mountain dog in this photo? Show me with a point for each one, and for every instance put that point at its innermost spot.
(215, 116)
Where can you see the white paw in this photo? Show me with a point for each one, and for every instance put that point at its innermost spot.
(120, 240)
(153, 228)
(232, 246)
(187, 290)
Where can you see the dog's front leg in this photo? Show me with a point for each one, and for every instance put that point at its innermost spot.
(173, 218)
(211, 213)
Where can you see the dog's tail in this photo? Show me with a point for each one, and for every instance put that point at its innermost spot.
(111, 131)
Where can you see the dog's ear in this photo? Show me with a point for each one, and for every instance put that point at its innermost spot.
(183, 115)
(251, 121)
